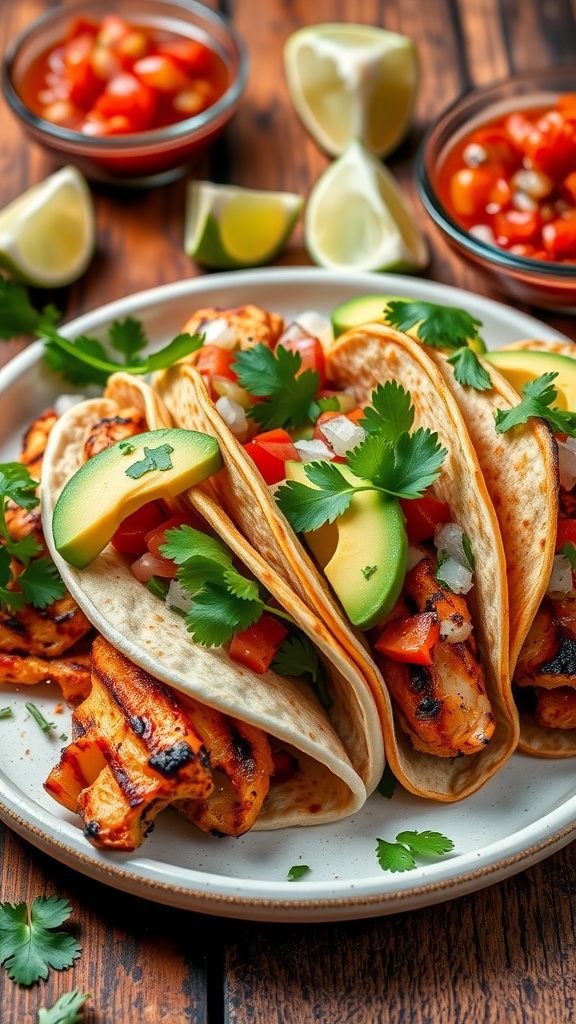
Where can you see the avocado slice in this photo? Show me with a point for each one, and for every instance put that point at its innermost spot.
(120, 479)
(370, 309)
(363, 552)
(521, 365)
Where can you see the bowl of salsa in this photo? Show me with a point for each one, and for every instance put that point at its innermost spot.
(131, 92)
(497, 174)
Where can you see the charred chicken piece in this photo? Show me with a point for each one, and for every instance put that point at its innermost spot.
(47, 632)
(556, 709)
(548, 657)
(71, 672)
(35, 440)
(111, 429)
(443, 706)
(252, 324)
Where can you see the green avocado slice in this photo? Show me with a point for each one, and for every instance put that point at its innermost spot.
(363, 552)
(521, 365)
(370, 309)
(120, 479)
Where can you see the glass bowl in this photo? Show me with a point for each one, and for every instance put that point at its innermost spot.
(142, 158)
(550, 285)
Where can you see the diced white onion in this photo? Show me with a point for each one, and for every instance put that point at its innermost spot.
(455, 576)
(474, 155)
(342, 434)
(177, 597)
(65, 402)
(293, 332)
(311, 451)
(453, 632)
(448, 537)
(535, 184)
(227, 388)
(149, 565)
(561, 576)
(414, 556)
(234, 417)
(567, 462)
(218, 332)
(522, 201)
(317, 325)
(484, 233)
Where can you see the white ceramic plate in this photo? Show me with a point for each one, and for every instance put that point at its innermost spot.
(521, 816)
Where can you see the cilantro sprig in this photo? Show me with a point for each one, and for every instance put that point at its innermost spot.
(389, 460)
(86, 360)
(444, 327)
(287, 390)
(66, 1009)
(537, 398)
(38, 583)
(29, 945)
(298, 871)
(401, 855)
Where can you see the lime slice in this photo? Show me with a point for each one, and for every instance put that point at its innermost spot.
(357, 217)
(48, 235)
(229, 226)
(352, 82)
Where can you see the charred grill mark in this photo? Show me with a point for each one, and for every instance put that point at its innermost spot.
(432, 601)
(243, 749)
(429, 707)
(168, 762)
(92, 829)
(139, 724)
(420, 679)
(411, 604)
(564, 661)
(65, 617)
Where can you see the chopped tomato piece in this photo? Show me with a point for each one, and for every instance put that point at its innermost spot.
(195, 58)
(410, 639)
(83, 84)
(516, 227)
(285, 765)
(126, 96)
(213, 361)
(82, 26)
(311, 353)
(559, 237)
(423, 516)
(566, 533)
(112, 30)
(497, 145)
(473, 189)
(551, 145)
(257, 646)
(157, 536)
(161, 73)
(271, 451)
(518, 128)
(148, 565)
(130, 537)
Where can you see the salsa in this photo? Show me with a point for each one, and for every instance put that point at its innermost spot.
(114, 78)
(512, 182)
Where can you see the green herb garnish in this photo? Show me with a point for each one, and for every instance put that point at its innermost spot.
(468, 370)
(154, 458)
(298, 871)
(38, 717)
(537, 398)
(401, 855)
(6, 713)
(369, 571)
(387, 785)
(299, 657)
(287, 390)
(569, 551)
(39, 583)
(29, 946)
(66, 1009)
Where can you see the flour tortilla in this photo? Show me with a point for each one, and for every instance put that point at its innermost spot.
(328, 786)
(359, 358)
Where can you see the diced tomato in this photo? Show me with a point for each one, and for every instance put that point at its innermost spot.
(566, 533)
(423, 516)
(124, 95)
(570, 186)
(551, 145)
(285, 765)
(83, 83)
(311, 353)
(473, 189)
(497, 145)
(195, 58)
(559, 237)
(112, 30)
(213, 361)
(271, 451)
(130, 537)
(518, 128)
(257, 646)
(157, 536)
(410, 639)
(161, 73)
(517, 227)
(149, 565)
(81, 26)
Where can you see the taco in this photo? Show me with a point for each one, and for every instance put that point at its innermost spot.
(446, 711)
(269, 751)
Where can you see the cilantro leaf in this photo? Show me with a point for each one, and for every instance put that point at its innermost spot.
(394, 856)
(299, 657)
(405, 470)
(469, 371)
(13, 599)
(308, 508)
(66, 1009)
(438, 326)
(537, 398)
(391, 413)
(180, 346)
(288, 392)
(24, 549)
(401, 855)
(387, 785)
(41, 583)
(184, 542)
(154, 458)
(569, 551)
(17, 483)
(127, 336)
(17, 314)
(240, 586)
(28, 944)
(298, 871)
(216, 615)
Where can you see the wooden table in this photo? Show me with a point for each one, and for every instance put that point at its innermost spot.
(506, 953)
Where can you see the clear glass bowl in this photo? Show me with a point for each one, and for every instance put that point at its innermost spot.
(144, 158)
(538, 283)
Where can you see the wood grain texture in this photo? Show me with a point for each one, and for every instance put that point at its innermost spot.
(506, 954)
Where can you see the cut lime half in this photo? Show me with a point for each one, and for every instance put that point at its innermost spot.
(357, 217)
(48, 234)
(228, 226)
(352, 82)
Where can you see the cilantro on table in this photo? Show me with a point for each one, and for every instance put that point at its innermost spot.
(389, 460)
(298, 871)
(85, 360)
(537, 398)
(6, 712)
(445, 327)
(287, 390)
(387, 785)
(401, 855)
(29, 945)
(66, 1009)
(38, 583)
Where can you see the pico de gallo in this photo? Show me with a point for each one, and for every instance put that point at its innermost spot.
(512, 182)
(115, 78)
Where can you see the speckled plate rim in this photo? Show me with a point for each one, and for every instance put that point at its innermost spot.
(247, 898)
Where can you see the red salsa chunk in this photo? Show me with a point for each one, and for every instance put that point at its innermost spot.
(114, 78)
(512, 182)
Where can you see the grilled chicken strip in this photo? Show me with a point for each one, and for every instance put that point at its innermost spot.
(251, 324)
(35, 440)
(548, 657)
(443, 706)
(556, 709)
(70, 672)
(47, 632)
(108, 431)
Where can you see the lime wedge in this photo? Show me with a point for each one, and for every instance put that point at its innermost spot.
(48, 235)
(357, 217)
(352, 82)
(229, 226)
